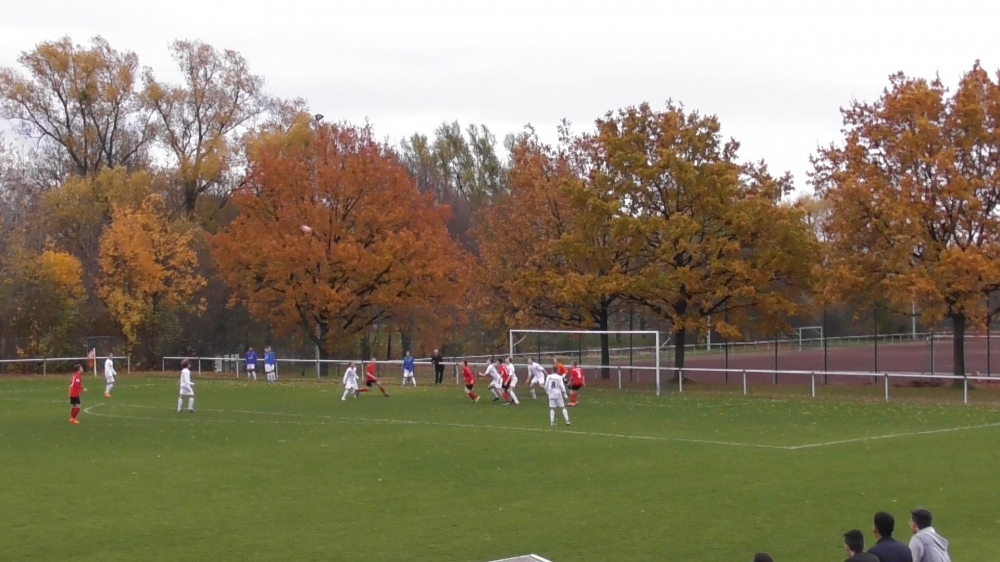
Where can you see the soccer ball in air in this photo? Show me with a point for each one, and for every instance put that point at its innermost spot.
(305, 229)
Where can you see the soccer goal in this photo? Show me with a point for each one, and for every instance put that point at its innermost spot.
(633, 350)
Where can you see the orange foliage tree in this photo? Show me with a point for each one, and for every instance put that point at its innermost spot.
(147, 270)
(914, 201)
(376, 246)
(548, 249)
(707, 235)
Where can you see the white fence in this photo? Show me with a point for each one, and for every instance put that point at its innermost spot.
(46, 361)
(592, 372)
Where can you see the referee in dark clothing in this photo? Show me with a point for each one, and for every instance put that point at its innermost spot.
(438, 362)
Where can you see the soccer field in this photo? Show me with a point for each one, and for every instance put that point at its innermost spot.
(289, 472)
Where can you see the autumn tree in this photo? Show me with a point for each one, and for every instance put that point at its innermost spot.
(81, 102)
(376, 245)
(40, 300)
(548, 246)
(201, 120)
(460, 168)
(75, 214)
(707, 234)
(914, 195)
(148, 266)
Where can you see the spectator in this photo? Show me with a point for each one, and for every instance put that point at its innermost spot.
(438, 362)
(762, 557)
(926, 545)
(888, 549)
(854, 544)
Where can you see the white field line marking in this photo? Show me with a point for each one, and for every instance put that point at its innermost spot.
(343, 419)
(892, 436)
(335, 419)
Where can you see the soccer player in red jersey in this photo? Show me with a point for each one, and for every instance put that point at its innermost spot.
(371, 379)
(504, 382)
(470, 381)
(75, 388)
(576, 382)
(561, 370)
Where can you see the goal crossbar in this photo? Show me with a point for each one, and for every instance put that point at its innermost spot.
(653, 333)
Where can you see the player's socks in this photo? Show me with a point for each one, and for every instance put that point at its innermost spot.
(74, 412)
(180, 405)
(473, 397)
(533, 396)
(552, 417)
(191, 404)
(565, 415)
(344, 397)
(513, 397)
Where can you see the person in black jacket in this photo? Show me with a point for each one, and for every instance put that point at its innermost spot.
(888, 549)
(438, 362)
(854, 544)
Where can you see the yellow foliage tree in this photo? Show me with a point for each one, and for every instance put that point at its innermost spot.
(147, 268)
(707, 235)
(914, 196)
(41, 299)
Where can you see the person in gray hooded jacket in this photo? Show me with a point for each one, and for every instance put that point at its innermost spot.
(926, 545)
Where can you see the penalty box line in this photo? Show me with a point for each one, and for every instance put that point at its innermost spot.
(390, 421)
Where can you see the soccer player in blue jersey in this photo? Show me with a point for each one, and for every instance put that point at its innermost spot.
(408, 366)
(270, 365)
(251, 358)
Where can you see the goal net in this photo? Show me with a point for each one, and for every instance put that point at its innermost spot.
(613, 357)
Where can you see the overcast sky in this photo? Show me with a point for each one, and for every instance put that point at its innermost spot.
(774, 72)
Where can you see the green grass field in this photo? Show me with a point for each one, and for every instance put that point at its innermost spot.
(289, 472)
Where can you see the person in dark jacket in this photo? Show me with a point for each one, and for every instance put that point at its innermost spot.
(888, 549)
(438, 362)
(854, 544)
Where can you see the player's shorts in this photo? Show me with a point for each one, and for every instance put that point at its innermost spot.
(251, 367)
(469, 387)
(557, 402)
(575, 387)
(370, 382)
(351, 386)
(268, 368)
(74, 400)
(540, 381)
(512, 383)
(187, 392)
(506, 386)
(108, 379)
(407, 374)
(495, 385)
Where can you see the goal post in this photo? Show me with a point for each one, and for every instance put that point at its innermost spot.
(516, 337)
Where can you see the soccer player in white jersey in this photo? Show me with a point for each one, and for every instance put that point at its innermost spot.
(109, 376)
(350, 381)
(536, 374)
(512, 381)
(496, 384)
(556, 389)
(187, 388)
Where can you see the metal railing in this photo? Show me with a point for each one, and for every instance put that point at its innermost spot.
(591, 370)
(45, 361)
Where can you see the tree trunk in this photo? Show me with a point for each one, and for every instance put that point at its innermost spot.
(680, 342)
(388, 347)
(958, 348)
(605, 351)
